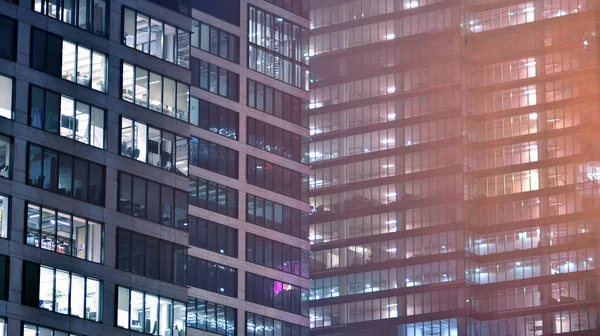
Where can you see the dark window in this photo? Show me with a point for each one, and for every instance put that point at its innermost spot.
(211, 317)
(181, 6)
(214, 197)
(66, 175)
(167, 207)
(215, 79)
(216, 41)
(8, 36)
(282, 103)
(214, 157)
(266, 175)
(226, 10)
(213, 236)
(151, 257)
(4, 276)
(214, 118)
(213, 277)
(298, 7)
(268, 291)
(269, 253)
(277, 140)
(285, 219)
(31, 281)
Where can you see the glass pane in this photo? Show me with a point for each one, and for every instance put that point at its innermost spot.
(6, 95)
(127, 93)
(67, 117)
(5, 156)
(123, 307)
(84, 61)
(82, 122)
(137, 311)
(169, 97)
(179, 315)
(92, 300)
(169, 44)
(156, 38)
(46, 288)
(166, 316)
(79, 236)
(63, 233)
(129, 27)
(94, 246)
(4, 207)
(141, 41)
(154, 146)
(99, 72)
(65, 175)
(77, 295)
(99, 17)
(182, 151)
(68, 61)
(151, 316)
(183, 92)
(61, 305)
(183, 48)
(97, 129)
(140, 146)
(35, 175)
(155, 92)
(141, 87)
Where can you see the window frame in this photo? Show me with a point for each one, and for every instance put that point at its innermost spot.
(146, 215)
(204, 303)
(69, 313)
(144, 295)
(162, 111)
(231, 208)
(12, 95)
(162, 131)
(89, 164)
(230, 36)
(144, 267)
(73, 251)
(75, 102)
(163, 23)
(89, 22)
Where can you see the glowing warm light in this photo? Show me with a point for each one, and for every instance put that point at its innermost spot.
(533, 116)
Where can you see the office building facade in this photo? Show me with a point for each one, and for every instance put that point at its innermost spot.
(154, 167)
(454, 167)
